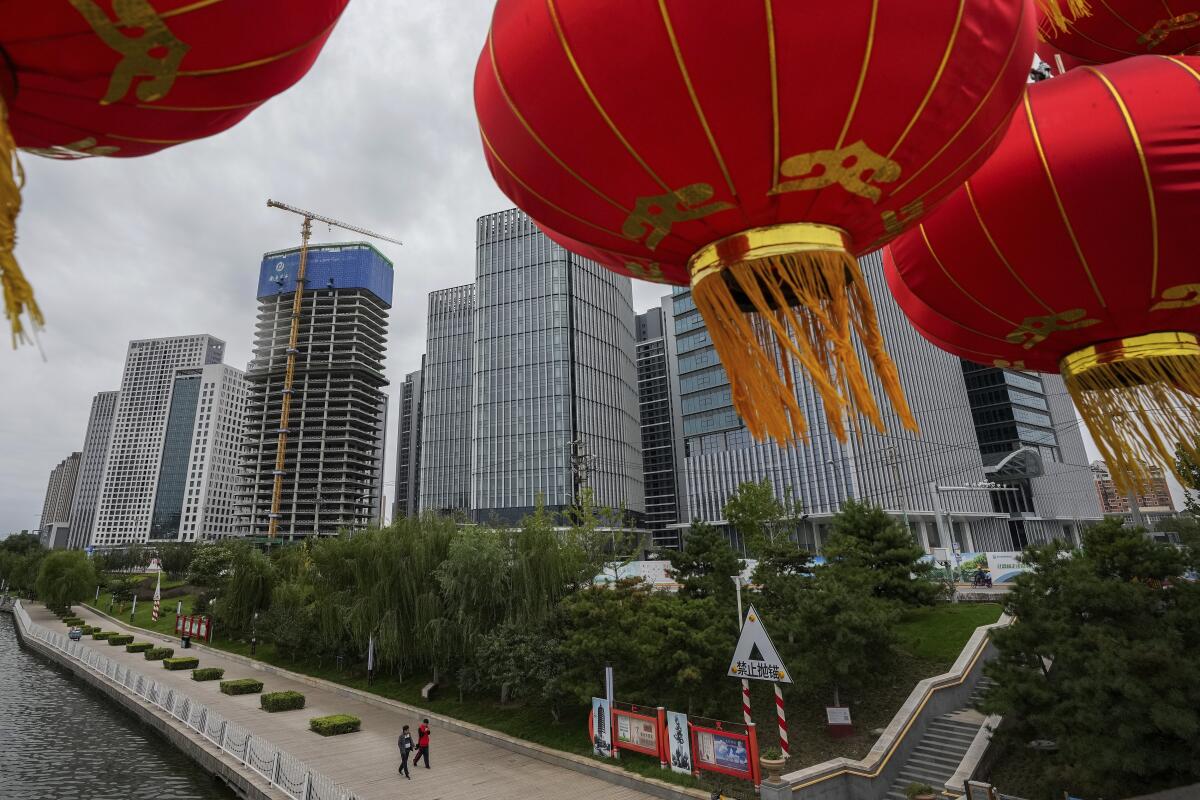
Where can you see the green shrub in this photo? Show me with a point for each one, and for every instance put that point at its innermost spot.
(138, 647)
(334, 725)
(115, 641)
(241, 686)
(208, 674)
(87, 630)
(182, 662)
(158, 653)
(72, 621)
(103, 634)
(281, 701)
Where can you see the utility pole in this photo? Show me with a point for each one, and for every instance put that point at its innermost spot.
(737, 582)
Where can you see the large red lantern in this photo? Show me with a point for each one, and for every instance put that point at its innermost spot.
(1116, 29)
(130, 77)
(1073, 250)
(750, 149)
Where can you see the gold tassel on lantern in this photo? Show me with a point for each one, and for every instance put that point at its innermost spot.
(18, 294)
(1140, 398)
(1058, 18)
(811, 301)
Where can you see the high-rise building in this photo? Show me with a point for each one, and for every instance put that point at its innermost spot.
(931, 478)
(136, 448)
(332, 475)
(658, 398)
(554, 399)
(91, 467)
(444, 474)
(198, 477)
(1155, 496)
(56, 507)
(408, 446)
(1030, 442)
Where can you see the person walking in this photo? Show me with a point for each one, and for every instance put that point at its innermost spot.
(422, 744)
(405, 743)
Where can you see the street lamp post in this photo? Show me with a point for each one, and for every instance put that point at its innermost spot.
(737, 582)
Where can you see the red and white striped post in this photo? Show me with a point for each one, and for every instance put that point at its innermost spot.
(783, 734)
(737, 581)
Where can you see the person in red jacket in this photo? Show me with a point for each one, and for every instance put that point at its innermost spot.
(422, 744)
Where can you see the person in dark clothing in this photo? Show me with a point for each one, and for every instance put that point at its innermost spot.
(405, 743)
(422, 744)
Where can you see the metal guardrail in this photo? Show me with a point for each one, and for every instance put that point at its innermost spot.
(281, 769)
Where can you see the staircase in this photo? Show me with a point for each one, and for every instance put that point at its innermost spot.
(941, 749)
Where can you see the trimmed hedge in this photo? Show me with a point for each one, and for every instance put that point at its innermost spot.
(208, 674)
(103, 634)
(182, 662)
(87, 630)
(334, 725)
(124, 639)
(73, 621)
(138, 647)
(281, 701)
(158, 653)
(241, 686)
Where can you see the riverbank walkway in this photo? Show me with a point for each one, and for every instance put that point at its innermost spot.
(463, 767)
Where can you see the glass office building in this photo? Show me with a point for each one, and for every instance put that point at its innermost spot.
(408, 446)
(91, 467)
(444, 482)
(658, 396)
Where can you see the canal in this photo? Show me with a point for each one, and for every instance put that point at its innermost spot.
(59, 741)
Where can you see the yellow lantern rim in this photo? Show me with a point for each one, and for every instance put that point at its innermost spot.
(1111, 355)
(766, 242)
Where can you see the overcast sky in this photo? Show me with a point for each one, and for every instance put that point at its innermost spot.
(381, 133)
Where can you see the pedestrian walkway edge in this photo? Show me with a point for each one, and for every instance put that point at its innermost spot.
(214, 762)
(577, 763)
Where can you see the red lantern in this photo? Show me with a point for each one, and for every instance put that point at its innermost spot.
(1116, 29)
(750, 150)
(131, 77)
(1071, 250)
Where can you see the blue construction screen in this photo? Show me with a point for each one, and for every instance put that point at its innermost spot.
(339, 266)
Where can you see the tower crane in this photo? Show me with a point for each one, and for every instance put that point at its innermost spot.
(294, 336)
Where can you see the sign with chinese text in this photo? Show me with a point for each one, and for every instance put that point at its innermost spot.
(679, 741)
(719, 751)
(636, 732)
(755, 657)
(836, 715)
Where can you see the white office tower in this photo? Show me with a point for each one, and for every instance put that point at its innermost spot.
(91, 467)
(135, 452)
(56, 508)
(199, 473)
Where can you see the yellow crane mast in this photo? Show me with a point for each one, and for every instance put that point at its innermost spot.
(294, 338)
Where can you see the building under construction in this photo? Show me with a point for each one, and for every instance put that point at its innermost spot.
(331, 475)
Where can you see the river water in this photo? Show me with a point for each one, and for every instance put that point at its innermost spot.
(59, 740)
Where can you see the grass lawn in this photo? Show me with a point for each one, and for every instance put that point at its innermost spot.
(929, 640)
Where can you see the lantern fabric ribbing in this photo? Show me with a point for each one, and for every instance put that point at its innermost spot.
(124, 78)
(1073, 250)
(749, 150)
(1115, 29)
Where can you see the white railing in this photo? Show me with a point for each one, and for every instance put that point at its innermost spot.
(283, 770)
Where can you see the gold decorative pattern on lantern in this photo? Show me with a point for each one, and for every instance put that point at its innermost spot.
(138, 59)
(1034, 330)
(853, 167)
(647, 272)
(655, 215)
(1165, 27)
(1184, 295)
(894, 223)
(84, 148)
(1003, 364)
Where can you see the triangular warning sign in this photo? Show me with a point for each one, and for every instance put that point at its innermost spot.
(755, 657)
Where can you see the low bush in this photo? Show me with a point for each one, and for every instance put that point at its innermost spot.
(73, 621)
(158, 653)
(138, 647)
(281, 701)
(103, 634)
(87, 630)
(116, 641)
(182, 662)
(208, 674)
(241, 686)
(334, 725)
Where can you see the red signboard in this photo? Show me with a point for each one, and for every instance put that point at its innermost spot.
(724, 751)
(194, 625)
(637, 732)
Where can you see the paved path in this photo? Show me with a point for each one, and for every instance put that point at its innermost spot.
(364, 762)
